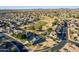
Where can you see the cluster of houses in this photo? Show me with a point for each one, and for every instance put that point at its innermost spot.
(33, 38)
(74, 29)
(11, 21)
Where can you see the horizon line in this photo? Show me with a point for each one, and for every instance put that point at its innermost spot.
(38, 7)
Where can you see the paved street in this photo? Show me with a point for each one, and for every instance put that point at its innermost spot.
(19, 46)
(62, 36)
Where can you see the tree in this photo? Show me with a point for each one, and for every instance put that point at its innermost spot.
(55, 22)
(13, 49)
(77, 16)
(49, 30)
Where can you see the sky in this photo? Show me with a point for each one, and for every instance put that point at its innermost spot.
(37, 7)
